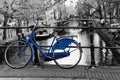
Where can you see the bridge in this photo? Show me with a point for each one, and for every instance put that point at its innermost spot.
(48, 72)
(104, 9)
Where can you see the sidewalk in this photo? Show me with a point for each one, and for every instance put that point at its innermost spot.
(55, 73)
(43, 79)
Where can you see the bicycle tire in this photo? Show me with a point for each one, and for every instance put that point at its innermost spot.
(15, 58)
(66, 62)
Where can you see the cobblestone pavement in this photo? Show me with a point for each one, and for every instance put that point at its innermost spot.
(43, 79)
(55, 73)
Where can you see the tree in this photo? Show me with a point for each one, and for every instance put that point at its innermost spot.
(84, 8)
(24, 10)
(89, 8)
(6, 15)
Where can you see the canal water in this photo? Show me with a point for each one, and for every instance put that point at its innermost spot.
(83, 38)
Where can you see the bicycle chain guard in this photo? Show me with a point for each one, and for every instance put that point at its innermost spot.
(62, 43)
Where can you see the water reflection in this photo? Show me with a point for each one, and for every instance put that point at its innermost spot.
(83, 37)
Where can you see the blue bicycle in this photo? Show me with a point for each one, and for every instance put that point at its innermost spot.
(64, 51)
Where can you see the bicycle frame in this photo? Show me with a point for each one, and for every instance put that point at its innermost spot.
(32, 42)
(60, 49)
(60, 44)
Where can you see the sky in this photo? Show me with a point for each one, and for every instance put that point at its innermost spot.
(70, 6)
(69, 2)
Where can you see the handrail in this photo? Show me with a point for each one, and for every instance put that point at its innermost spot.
(61, 27)
(91, 47)
(4, 46)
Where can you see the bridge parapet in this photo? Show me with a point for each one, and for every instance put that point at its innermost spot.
(100, 29)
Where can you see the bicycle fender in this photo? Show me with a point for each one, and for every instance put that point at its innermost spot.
(62, 43)
(80, 48)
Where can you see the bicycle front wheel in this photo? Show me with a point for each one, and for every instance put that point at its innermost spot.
(73, 59)
(18, 54)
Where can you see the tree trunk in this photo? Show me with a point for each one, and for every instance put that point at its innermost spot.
(18, 30)
(5, 24)
(101, 54)
(27, 25)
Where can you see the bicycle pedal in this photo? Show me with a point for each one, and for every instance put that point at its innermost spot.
(41, 62)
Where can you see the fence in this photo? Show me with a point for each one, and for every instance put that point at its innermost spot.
(91, 28)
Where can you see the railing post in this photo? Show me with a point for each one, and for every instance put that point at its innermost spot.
(36, 59)
(92, 44)
(101, 53)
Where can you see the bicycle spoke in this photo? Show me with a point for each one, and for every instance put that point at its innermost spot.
(18, 54)
(71, 58)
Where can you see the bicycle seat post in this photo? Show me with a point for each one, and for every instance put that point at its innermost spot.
(56, 37)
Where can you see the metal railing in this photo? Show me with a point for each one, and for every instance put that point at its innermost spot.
(91, 28)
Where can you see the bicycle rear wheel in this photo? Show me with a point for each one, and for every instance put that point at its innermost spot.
(73, 59)
(18, 54)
